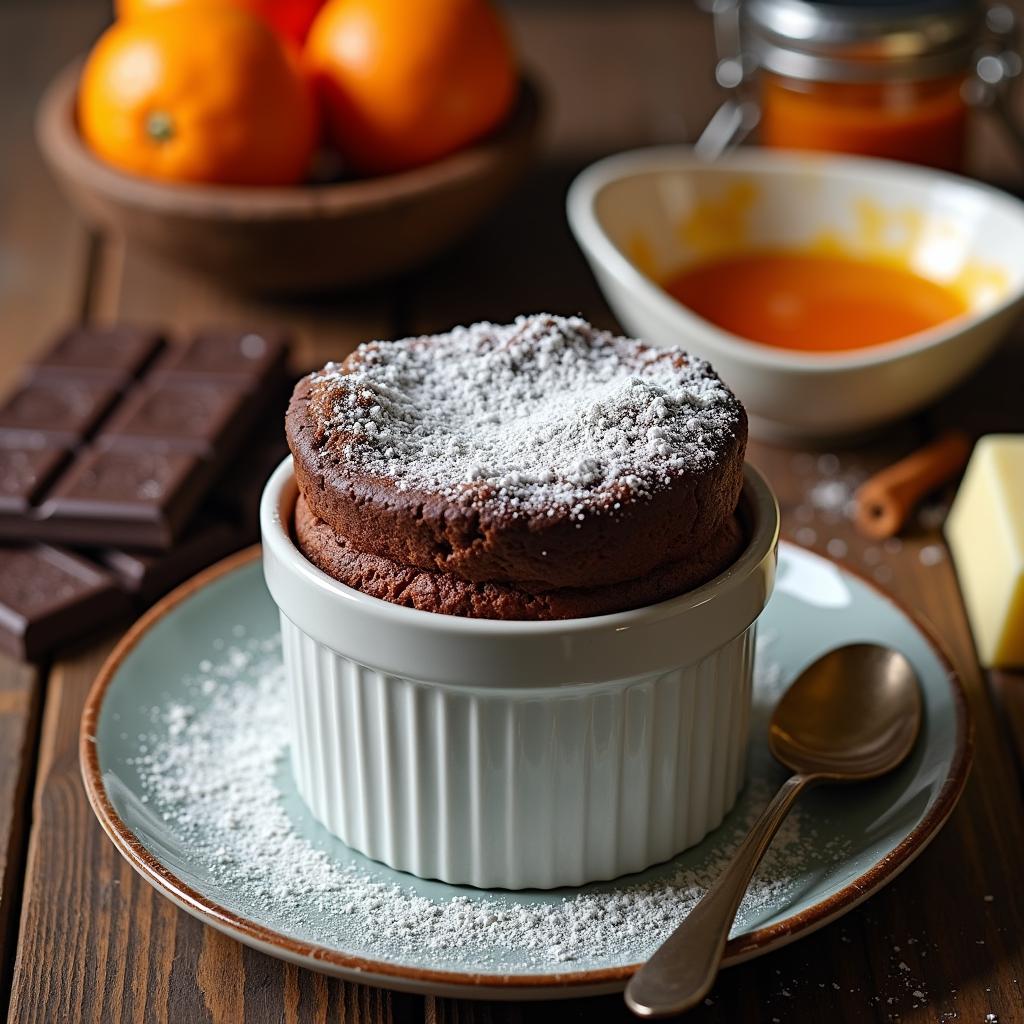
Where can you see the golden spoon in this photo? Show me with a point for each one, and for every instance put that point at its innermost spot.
(852, 715)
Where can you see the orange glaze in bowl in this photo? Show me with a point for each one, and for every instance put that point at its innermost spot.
(813, 302)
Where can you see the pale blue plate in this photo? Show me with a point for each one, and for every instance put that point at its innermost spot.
(846, 845)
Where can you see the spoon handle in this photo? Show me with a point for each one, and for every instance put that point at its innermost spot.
(682, 970)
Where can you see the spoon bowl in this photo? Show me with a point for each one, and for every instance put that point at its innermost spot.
(852, 715)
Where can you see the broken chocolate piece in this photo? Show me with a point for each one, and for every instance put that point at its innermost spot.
(50, 596)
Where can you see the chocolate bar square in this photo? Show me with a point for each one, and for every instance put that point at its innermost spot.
(60, 410)
(49, 596)
(242, 356)
(24, 473)
(146, 495)
(183, 415)
(116, 352)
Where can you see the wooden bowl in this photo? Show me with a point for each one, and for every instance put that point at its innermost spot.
(304, 238)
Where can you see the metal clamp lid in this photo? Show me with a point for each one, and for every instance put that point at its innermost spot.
(821, 40)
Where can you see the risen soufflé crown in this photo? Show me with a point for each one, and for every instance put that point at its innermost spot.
(539, 469)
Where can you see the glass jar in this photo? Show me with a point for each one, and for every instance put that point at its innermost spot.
(891, 79)
(921, 122)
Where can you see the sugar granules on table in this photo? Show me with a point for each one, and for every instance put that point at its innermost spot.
(212, 770)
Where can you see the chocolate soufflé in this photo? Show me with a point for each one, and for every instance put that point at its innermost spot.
(542, 469)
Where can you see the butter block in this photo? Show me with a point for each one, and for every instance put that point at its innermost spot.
(985, 531)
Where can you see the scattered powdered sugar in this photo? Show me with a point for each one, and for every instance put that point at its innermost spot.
(837, 548)
(214, 771)
(546, 412)
(831, 495)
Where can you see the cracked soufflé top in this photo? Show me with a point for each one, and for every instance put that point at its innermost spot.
(544, 452)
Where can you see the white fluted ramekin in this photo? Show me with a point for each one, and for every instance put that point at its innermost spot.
(518, 754)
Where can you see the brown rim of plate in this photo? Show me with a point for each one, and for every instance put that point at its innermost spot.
(740, 948)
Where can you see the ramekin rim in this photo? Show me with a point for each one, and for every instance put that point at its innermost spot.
(763, 541)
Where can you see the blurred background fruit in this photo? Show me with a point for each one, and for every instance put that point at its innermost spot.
(194, 131)
(304, 238)
(403, 83)
(291, 18)
(198, 94)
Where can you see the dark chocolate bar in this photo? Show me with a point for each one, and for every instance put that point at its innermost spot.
(103, 586)
(155, 442)
(142, 498)
(116, 435)
(30, 626)
(50, 596)
(171, 415)
(229, 520)
(111, 441)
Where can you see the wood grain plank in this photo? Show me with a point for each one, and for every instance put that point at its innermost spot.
(137, 287)
(43, 262)
(619, 75)
(19, 719)
(84, 884)
(43, 250)
(523, 260)
(1008, 693)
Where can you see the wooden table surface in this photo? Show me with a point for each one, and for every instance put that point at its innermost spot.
(83, 938)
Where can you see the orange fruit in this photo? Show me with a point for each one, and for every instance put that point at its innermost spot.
(291, 18)
(404, 83)
(189, 95)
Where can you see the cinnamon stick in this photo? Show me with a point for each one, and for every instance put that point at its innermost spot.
(885, 502)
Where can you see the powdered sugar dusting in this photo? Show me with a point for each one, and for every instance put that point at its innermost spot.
(544, 413)
(214, 769)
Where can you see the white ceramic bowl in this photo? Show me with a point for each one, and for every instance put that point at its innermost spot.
(518, 754)
(642, 215)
